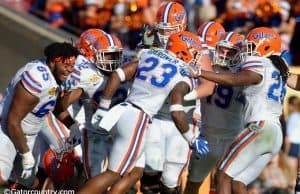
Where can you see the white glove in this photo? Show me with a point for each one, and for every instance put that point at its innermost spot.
(27, 164)
(191, 96)
(97, 116)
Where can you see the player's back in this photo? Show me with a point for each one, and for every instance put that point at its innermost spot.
(157, 74)
(264, 101)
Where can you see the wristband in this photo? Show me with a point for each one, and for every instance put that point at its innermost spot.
(104, 103)
(176, 107)
(121, 74)
(189, 135)
(26, 155)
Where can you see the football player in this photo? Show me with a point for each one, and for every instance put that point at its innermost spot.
(101, 53)
(156, 76)
(263, 75)
(164, 170)
(221, 114)
(31, 94)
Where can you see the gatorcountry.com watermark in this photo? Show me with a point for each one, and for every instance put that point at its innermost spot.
(48, 191)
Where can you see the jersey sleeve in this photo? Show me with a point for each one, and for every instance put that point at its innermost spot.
(141, 52)
(90, 81)
(254, 65)
(36, 80)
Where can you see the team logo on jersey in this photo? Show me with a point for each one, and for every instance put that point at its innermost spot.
(52, 91)
(94, 78)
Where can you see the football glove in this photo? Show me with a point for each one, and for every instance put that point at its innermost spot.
(200, 145)
(97, 116)
(27, 164)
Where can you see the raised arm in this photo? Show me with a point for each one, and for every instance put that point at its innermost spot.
(125, 73)
(242, 78)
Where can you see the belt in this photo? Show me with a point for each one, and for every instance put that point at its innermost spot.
(130, 103)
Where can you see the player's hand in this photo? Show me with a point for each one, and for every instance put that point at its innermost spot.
(200, 145)
(27, 164)
(190, 71)
(147, 36)
(97, 116)
(75, 135)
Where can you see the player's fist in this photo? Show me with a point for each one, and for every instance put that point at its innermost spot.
(97, 116)
(147, 36)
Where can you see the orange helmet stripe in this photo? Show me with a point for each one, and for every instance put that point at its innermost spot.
(209, 24)
(228, 36)
(110, 40)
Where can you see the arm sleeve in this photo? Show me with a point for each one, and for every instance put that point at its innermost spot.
(35, 81)
(89, 81)
(255, 66)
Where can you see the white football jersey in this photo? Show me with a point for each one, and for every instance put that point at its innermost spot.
(90, 79)
(157, 74)
(263, 101)
(38, 80)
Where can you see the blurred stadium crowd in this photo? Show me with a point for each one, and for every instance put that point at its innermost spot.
(125, 19)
